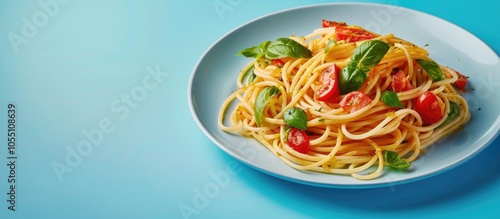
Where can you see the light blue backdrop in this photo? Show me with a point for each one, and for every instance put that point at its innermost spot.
(103, 128)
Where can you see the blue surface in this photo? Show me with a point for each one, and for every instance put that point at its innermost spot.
(103, 128)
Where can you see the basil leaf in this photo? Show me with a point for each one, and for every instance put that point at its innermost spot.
(391, 99)
(286, 47)
(249, 76)
(280, 48)
(351, 78)
(370, 53)
(454, 111)
(432, 69)
(364, 58)
(327, 47)
(255, 51)
(262, 99)
(296, 117)
(393, 160)
(287, 132)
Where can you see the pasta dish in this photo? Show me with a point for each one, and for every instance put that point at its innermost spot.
(344, 100)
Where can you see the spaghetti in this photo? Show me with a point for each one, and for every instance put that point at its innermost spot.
(358, 114)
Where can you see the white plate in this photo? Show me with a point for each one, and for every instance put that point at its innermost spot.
(214, 77)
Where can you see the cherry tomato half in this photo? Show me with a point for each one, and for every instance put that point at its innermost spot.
(327, 23)
(329, 89)
(350, 34)
(427, 106)
(354, 101)
(298, 140)
(400, 83)
(461, 81)
(278, 63)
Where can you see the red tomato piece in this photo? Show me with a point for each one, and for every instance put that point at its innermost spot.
(350, 34)
(354, 101)
(329, 89)
(278, 63)
(298, 140)
(400, 83)
(427, 106)
(400, 68)
(327, 23)
(461, 82)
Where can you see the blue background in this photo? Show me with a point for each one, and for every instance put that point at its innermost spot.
(109, 78)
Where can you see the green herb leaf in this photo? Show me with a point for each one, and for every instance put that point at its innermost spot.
(296, 117)
(391, 99)
(287, 132)
(330, 42)
(279, 48)
(454, 111)
(262, 99)
(393, 159)
(286, 47)
(432, 69)
(351, 78)
(370, 53)
(364, 58)
(249, 76)
(255, 51)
